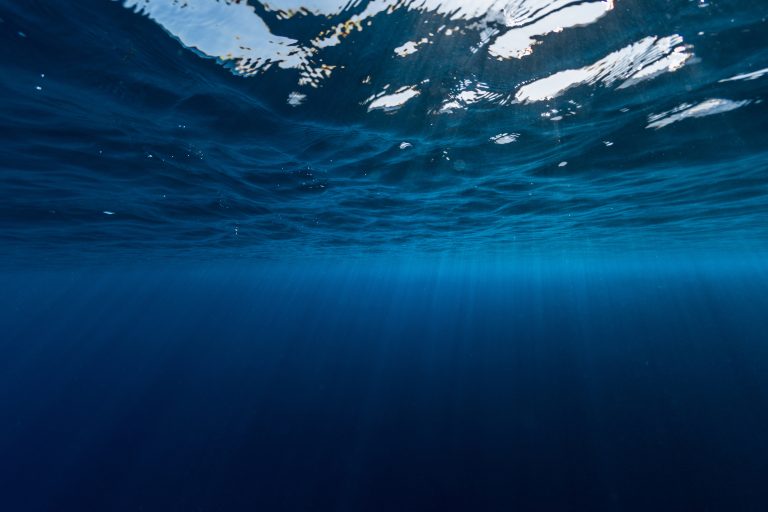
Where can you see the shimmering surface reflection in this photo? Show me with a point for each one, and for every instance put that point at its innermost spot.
(247, 128)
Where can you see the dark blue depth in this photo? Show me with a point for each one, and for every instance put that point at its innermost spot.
(554, 387)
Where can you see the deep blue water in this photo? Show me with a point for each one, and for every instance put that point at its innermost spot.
(363, 255)
(543, 386)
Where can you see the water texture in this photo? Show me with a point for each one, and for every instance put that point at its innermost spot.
(374, 255)
(247, 129)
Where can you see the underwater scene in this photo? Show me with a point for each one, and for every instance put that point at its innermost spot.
(383, 255)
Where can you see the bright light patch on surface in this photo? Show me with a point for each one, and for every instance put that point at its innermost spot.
(296, 98)
(225, 30)
(410, 47)
(394, 101)
(518, 42)
(232, 31)
(754, 75)
(635, 63)
(687, 111)
(505, 138)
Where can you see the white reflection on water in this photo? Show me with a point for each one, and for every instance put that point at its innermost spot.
(392, 102)
(505, 138)
(754, 75)
(226, 30)
(233, 32)
(518, 42)
(640, 61)
(686, 111)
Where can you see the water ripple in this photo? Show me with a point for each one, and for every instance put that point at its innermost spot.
(222, 128)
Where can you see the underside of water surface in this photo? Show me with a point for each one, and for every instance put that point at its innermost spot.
(218, 129)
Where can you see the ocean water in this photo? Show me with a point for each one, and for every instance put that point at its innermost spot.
(361, 255)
